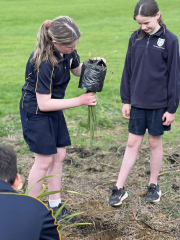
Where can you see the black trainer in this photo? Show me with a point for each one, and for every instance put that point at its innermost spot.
(118, 195)
(153, 193)
(64, 213)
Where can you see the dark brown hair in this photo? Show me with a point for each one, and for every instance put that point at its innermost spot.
(147, 8)
(8, 164)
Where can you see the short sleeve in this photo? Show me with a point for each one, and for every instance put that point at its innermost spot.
(44, 78)
(75, 61)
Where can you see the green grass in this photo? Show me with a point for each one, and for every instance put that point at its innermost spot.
(105, 27)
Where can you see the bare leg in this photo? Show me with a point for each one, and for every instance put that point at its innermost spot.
(155, 143)
(133, 144)
(54, 183)
(38, 171)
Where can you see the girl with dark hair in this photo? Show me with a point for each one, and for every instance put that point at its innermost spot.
(44, 127)
(150, 84)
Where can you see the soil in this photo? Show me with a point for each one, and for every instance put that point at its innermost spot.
(94, 176)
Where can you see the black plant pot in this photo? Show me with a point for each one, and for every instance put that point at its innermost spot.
(93, 73)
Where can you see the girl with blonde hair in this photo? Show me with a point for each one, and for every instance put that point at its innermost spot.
(44, 127)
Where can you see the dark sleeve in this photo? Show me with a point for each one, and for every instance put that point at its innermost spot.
(173, 65)
(75, 61)
(50, 228)
(126, 77)
(44, 78)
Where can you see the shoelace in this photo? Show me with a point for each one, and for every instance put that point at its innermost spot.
(151, 189)
(115, 192)
(65, 211)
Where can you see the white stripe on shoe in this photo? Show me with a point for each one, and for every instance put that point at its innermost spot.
(121, 199)
(157, 200)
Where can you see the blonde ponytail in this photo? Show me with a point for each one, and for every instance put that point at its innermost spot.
(63, 30)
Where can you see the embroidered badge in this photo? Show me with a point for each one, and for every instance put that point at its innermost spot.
(71, 61)
(160, 42)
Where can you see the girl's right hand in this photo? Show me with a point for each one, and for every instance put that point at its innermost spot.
(88, 99)
(126, 111)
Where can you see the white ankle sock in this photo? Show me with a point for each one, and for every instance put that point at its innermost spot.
(54, 203)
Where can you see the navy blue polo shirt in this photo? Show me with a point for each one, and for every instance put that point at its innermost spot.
(151, 75)
(24, 217)
(47, 80)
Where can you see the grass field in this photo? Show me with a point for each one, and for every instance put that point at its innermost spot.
(105, 27)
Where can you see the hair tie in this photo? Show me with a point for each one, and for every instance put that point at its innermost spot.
(47, 23)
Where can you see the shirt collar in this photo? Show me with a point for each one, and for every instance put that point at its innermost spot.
(6, 187)
(159, 32)
(59, 57)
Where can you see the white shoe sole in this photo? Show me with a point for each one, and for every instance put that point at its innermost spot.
(157, 200)
(124, 197)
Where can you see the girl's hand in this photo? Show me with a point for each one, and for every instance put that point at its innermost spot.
(99, 58)
(168, 118)
(88, 99)
(126, 111)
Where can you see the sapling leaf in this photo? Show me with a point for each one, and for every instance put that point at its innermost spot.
(42, 191)
(60, 209)
(71, 216)
(53, 192)
(48, 177)
(28, 190)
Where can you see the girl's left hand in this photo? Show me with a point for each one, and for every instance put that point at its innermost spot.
(99, 58)
(168, 118)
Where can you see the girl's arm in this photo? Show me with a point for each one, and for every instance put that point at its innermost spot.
(126, 76)
(77, 71)
(173, 66)
(46, 103)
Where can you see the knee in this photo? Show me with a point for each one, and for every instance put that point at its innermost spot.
(42, 162)
(60, 155)
(45, 165)
(154, 143)
(134, 141)
(132, 144)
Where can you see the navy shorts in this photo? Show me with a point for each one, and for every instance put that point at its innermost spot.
(140, 119)
(44, 133)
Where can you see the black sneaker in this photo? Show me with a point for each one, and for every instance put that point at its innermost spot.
(64, 213)
(153, 193)
(118, 195)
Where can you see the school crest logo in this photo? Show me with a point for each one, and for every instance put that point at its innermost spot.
(160, 42)
(71, 61)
